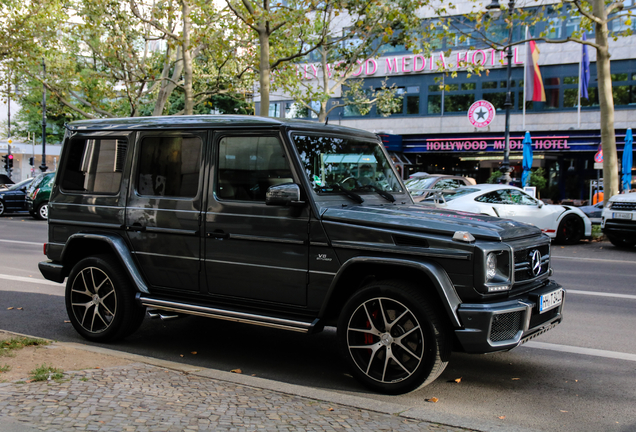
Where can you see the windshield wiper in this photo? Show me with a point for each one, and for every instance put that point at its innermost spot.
(354, 196)
(384, 194)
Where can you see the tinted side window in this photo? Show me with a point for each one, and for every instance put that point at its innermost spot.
(94, 165)
(169, 166)
(248, 166)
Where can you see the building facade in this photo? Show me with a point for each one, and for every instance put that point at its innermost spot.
(433, 134)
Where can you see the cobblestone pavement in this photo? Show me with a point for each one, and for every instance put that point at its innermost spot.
(141, 397)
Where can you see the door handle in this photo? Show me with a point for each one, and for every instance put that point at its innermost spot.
(218, 234)
(136, 227)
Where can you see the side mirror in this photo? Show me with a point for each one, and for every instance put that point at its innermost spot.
(286, 194)
(540, 204)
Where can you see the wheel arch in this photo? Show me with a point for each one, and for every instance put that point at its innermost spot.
(99, 243)
(348, 280)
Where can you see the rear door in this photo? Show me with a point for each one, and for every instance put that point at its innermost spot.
(163, 215)
(254, 251)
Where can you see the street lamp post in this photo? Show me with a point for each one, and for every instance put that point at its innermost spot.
(505, 164)
(43, 167)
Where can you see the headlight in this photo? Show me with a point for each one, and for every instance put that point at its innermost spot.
(491, 266)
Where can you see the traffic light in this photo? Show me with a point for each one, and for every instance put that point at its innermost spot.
(31, 160)
(5, 162)
(10, 161)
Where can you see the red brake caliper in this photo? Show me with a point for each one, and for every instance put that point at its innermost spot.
(368, 338)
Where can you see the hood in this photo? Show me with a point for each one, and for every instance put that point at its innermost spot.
(628, 197)
(424, 219)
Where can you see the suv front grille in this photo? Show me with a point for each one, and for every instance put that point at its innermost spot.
(524, 270)
(623, 206)
(505, 326)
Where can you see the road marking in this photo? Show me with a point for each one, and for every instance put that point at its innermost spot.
(585, 351)
(22, 242)
(28, 279)
(600, 294)
(593, 259)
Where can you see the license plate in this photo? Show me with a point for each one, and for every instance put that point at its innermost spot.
(622, 215)
(550, 300)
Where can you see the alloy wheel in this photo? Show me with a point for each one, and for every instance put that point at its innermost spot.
(385, 340)
(93, 300)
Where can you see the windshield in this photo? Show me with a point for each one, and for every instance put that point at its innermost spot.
(19, 185)
(334, 164)
(454, 194)
(418, 186)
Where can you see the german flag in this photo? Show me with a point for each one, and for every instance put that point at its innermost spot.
(534, 83)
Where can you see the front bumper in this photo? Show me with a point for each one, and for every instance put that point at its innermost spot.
(624, 229)
(505, 325)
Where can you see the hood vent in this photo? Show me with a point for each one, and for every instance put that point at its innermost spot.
(401, 240)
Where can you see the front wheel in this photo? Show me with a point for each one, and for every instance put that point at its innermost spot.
(100, 300)
(571, 230)
(42, 211)
(393, 338)
(2, 209)
(621, 242)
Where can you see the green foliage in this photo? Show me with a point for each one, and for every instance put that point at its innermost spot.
(9, 345)
(46, 373)
(5, 368)
(494, 177)
(538, 179)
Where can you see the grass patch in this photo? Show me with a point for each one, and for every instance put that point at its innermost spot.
(16, 343)
(597, 233)
(5, 368)
(46, 373)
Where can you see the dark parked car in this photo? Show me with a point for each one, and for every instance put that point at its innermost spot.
(288, 224)
(38, 195)
(13, 198)
(423, 186)
(593, 212)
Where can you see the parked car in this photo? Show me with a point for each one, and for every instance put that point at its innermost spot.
(13, 198)
(421, 186)
(618, 220)
(5, 181)
(593, 212)
(565, 224)
(287, 224)
(38, 195)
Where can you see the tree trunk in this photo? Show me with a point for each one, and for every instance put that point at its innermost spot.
(606, 101)
(264, 70)
(322, 115)
(167, 87)
(188, 108)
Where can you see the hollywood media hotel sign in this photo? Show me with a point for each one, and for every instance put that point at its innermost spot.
(414, 63)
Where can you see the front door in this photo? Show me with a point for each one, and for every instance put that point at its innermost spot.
(253, 251)
(163, 215)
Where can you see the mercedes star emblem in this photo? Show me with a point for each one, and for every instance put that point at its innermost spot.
(535, 262)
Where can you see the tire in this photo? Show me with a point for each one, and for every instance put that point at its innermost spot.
(621, 242)
(571, 230)
(100, 300)
(2, 208)
(42, 211)
(394, 318)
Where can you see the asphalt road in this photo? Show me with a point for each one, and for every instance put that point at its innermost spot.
(581, 376)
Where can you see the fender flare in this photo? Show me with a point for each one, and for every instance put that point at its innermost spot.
(436, 273)
(121, 250)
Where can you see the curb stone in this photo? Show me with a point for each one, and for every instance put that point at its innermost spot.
(421, 414)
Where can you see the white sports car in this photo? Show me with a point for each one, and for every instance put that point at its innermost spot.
(566, 224)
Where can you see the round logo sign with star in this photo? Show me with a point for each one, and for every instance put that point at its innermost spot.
(481, 113)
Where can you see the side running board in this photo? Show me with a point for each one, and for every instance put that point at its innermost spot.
(228, 315)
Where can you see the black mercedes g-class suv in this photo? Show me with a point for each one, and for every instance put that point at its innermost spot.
(288, 224)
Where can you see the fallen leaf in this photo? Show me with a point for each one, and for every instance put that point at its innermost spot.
(66, 321)
(20, 308)
(9, 308)
(433, 399)
(576, 380)
(458, 380)
(194, 352)
(238, 371)
(181, 355)
(330, 409)
(502, 417)
(562, 410)
(516, 379)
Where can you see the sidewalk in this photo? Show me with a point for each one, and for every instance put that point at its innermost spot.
(156, 395)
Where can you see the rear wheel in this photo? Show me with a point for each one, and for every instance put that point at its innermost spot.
(100, 300)
(392, 337)
(571, 230)
(42, 211)
(1, 208)
(621, 242)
